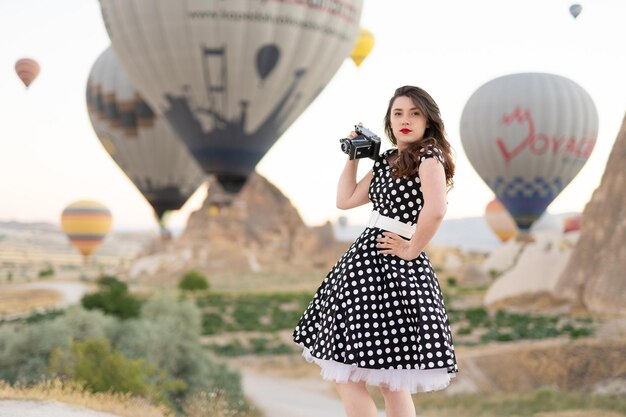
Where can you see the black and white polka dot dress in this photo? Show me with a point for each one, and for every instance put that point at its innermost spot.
(378, 318)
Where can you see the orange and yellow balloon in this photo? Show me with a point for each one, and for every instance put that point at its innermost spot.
(86, 223)
(500, 220)
(27, 69)
(363, 46)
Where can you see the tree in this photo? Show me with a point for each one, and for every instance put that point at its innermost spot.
(193, 281)
(113, 298)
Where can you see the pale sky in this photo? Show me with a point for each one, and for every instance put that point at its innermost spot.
(50, 156)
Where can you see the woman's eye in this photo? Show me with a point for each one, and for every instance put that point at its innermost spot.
(416, 113)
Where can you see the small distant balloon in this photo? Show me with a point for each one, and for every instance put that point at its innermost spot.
(573, 223)
(27, 69)
(500, 220)
(266, 60)
(86, 223)
(575, 10)
(343, 221)
(363, 46)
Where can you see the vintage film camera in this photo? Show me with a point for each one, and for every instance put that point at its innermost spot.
(365, 144)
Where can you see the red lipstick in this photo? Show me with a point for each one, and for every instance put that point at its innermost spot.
(405, 130)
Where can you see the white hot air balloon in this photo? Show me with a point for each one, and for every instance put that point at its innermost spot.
(231, 76)
(143, 144)
(527, 135)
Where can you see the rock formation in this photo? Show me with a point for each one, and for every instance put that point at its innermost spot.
(529, 270)
(595, 277)
(257, 230)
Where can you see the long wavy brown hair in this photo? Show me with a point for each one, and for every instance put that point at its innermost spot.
(407, 164)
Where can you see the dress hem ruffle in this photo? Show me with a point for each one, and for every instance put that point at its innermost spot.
(415, 380)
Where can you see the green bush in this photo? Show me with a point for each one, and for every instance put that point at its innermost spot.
(47, 272)
(165, 337)
(193, 281)
(99, 368)
(477, 316)
(48, 315)
(113, 298)
(212, 323)
(494, 273)
(168, 336)
(25, 351)
(464, 330)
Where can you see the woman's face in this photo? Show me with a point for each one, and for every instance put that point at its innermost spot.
(408, 123)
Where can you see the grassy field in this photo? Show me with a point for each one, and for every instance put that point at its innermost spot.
(22, 300)
(541, 402)
(267, 282)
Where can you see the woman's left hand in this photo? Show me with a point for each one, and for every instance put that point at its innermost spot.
(393, 244)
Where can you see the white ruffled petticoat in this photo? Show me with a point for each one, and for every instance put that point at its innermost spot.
(414, 380)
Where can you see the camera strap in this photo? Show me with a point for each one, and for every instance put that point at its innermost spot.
(391, 225)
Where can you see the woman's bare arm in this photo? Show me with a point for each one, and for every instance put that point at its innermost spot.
(351, 194)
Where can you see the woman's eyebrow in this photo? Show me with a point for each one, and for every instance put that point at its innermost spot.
(398, 109)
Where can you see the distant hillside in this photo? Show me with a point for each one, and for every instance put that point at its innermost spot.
(26, 249)
(469, 234)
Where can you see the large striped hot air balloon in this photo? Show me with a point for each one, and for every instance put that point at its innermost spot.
(231, 76)
(500, 221)
(86, 223)
(142, 143)
(363, 46)
(527, 135)
(27, 69)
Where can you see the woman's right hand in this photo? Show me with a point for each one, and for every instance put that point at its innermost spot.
(353, 134)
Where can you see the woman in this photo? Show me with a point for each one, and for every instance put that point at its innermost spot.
(378, 317)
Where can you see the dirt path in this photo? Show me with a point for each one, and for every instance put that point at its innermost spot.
(292, 397)
(15, 408)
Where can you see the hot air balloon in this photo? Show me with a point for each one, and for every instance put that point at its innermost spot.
(573, 223)
(527, 135)
(362, 47)
(140, 142)
(27, 69)
(575, 10)
(230, 77)
(86, 223)
(500, 221)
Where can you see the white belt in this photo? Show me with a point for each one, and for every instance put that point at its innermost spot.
(392, 225)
